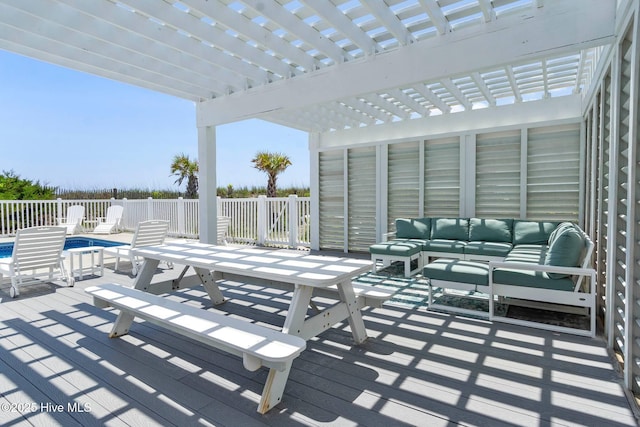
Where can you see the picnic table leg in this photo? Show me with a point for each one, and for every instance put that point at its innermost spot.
(143, 279)
(122, 324)
(209, 280)
(273, 388)
(300, 300)
(348, 296)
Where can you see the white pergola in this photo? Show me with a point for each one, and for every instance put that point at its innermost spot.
(320, 65)
(349, 70)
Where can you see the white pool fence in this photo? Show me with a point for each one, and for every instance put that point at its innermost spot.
(277, 221)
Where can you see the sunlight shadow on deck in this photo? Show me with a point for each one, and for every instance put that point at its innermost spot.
(418, 368)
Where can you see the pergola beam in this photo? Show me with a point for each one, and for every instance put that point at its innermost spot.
(240, 24)
(343, 25)
(557, 28)
(436, 16)
(275, 12)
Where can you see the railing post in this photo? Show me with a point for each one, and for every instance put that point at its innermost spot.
(262, 219)
(293, 220)
(149, 208)
(59, 212)
(124, 224)
(181, 221)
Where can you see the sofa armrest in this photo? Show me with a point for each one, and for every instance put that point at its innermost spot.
(572, 271)
(388, 236)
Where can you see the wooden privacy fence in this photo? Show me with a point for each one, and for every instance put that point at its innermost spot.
(278, 221)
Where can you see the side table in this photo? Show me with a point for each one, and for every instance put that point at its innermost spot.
(93, 267)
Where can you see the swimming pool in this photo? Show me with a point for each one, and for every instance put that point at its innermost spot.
(6, 249)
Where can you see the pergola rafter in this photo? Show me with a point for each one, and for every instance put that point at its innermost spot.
(275, 59)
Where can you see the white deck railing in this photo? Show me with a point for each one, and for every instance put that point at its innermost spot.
(281, 221)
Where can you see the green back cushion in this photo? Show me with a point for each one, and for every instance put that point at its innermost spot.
(532, 232)
(560, 228)
(413, 228)
(450, 228)
(490, 230)
(565, 249)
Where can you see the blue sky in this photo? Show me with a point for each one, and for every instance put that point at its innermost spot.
(78, 131)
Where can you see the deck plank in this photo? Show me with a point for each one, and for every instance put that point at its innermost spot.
(418, 368)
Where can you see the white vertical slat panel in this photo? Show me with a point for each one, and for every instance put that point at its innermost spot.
(331, 172)
(603, 231)
(361, 190)
(628, 121)
(442, 177)
(403, 182)
(633, 239)
(553, 173)
(622, 304)
(498, 175)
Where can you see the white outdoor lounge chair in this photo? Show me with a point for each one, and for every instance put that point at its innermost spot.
(73, 220)
(37, 256)
(148, 233)
(110, 223)
(223, 226)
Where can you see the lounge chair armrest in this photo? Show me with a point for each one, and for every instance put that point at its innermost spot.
(573, 271)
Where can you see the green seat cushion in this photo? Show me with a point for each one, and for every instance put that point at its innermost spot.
(497, 249)
(450, 228)
(397, 247)
(490, 230)
(530, 254)
(565, 249)
(532, 232)
(476, 273)
(443, 245)
(413, 228)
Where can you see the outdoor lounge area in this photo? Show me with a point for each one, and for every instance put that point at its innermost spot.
(417, 367)
(525, 110)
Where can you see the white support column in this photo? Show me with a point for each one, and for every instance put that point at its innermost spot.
(382, 190)
(345, 195)
(208, 208)
(468, 175)
(314, 166)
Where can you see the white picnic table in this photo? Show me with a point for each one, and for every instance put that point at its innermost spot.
(304, 272)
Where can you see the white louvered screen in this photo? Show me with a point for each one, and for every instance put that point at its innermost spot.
(362, 197)
(498, 175)
(403, 182)
(442, 177)
(601, 237)
(623, 268)
(553, 173)
(635, 222)
(331, 170)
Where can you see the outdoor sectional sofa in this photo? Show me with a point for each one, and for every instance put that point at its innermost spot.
(511, 260)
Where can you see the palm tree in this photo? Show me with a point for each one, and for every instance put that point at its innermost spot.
(272, 164)
(183, 167)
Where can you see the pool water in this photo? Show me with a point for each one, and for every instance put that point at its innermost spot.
(6, 249)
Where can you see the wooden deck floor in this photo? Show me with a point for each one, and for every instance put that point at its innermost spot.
(419, 368)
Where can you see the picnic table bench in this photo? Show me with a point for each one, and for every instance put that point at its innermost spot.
(257, 345)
